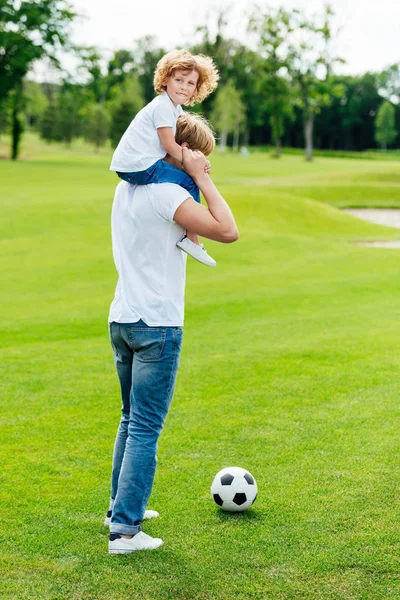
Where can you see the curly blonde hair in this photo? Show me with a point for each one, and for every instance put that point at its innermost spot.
(195, 131)
(184, 61)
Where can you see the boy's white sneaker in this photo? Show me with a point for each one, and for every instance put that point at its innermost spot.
(148, 514)
(141, 541)
(197, 252)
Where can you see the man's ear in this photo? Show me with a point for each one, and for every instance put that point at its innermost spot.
(184, 145)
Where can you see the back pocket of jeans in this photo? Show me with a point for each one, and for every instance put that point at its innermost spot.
(148, 343)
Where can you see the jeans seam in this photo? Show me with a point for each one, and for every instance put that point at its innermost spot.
(113, 345)
(172, 375)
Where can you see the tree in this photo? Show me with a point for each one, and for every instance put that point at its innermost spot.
(28, 31)
(348, 122)
(310, 65)
(68, 120)
(385, 129)
(4, 117)
(36, 103)
(147, 54)
(389, 83)
(48, 122)
(272, 30)
(62, 120)
(228, 113)
(17, 123)
(90, 67)
(118, 69)
(127, 100)
(236, 62)
(96, 125)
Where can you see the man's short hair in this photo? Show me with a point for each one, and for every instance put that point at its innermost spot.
(195, 131)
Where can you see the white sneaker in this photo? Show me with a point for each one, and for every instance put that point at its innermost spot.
(141, 541)
(198, 252)
(148, 514)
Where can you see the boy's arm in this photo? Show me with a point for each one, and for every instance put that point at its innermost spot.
(167, 139)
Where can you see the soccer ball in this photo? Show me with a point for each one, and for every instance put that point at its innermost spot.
(234, 489)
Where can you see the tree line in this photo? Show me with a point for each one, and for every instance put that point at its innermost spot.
(279, 88)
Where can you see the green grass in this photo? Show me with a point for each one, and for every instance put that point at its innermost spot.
(289, 368)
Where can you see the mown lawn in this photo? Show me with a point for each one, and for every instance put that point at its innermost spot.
(290, 368)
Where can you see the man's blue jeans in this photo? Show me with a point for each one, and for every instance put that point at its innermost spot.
(147, 360)
(163, 172)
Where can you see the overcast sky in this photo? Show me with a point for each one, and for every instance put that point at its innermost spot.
(368, 39)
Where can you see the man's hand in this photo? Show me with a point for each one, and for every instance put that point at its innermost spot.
(194, 162)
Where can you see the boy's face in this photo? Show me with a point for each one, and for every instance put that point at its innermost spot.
(181, 86)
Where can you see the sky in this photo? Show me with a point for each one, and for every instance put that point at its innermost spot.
(368, 32)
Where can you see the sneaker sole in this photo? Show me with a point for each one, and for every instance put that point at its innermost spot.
(129, 551)
(207, 264)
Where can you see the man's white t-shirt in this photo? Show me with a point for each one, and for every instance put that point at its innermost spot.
(140, 146)
(151, 269)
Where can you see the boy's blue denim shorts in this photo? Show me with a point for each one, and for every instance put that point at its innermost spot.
(163, 172)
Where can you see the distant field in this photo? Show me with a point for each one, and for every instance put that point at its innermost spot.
(290, 368)
(361, 180)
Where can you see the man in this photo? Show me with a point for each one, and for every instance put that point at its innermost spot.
(146, 319)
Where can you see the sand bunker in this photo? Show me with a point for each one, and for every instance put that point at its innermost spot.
(381, 216)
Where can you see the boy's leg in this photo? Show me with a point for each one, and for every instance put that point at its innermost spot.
(139, 177)
(163, 172)
(166, 173)
(190, 243)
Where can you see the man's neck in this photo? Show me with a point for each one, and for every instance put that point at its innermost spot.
(172, 161)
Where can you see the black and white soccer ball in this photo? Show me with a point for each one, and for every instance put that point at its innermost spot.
(234, 489)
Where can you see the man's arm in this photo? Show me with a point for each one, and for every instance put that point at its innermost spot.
(216, 222)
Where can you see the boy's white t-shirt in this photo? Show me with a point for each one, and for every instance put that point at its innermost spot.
(151, 269)
(140, 146)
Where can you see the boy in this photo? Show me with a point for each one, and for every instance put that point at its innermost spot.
(180, 78)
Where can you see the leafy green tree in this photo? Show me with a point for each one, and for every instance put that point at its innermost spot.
(118, 69)
(126, 102)
(17, 120)
(62, 120)
(96, 125)
(146, 55)
(90, 68)
(310, 66)
(4, 117)
(68, 123)
(28, 31)
(35, 103)
(389, 83)
(225, 52)
(228, 113)
(48, 122)
(247, 74)
(272, 30)
(240, 64)
(385, 125)
(349, 121)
